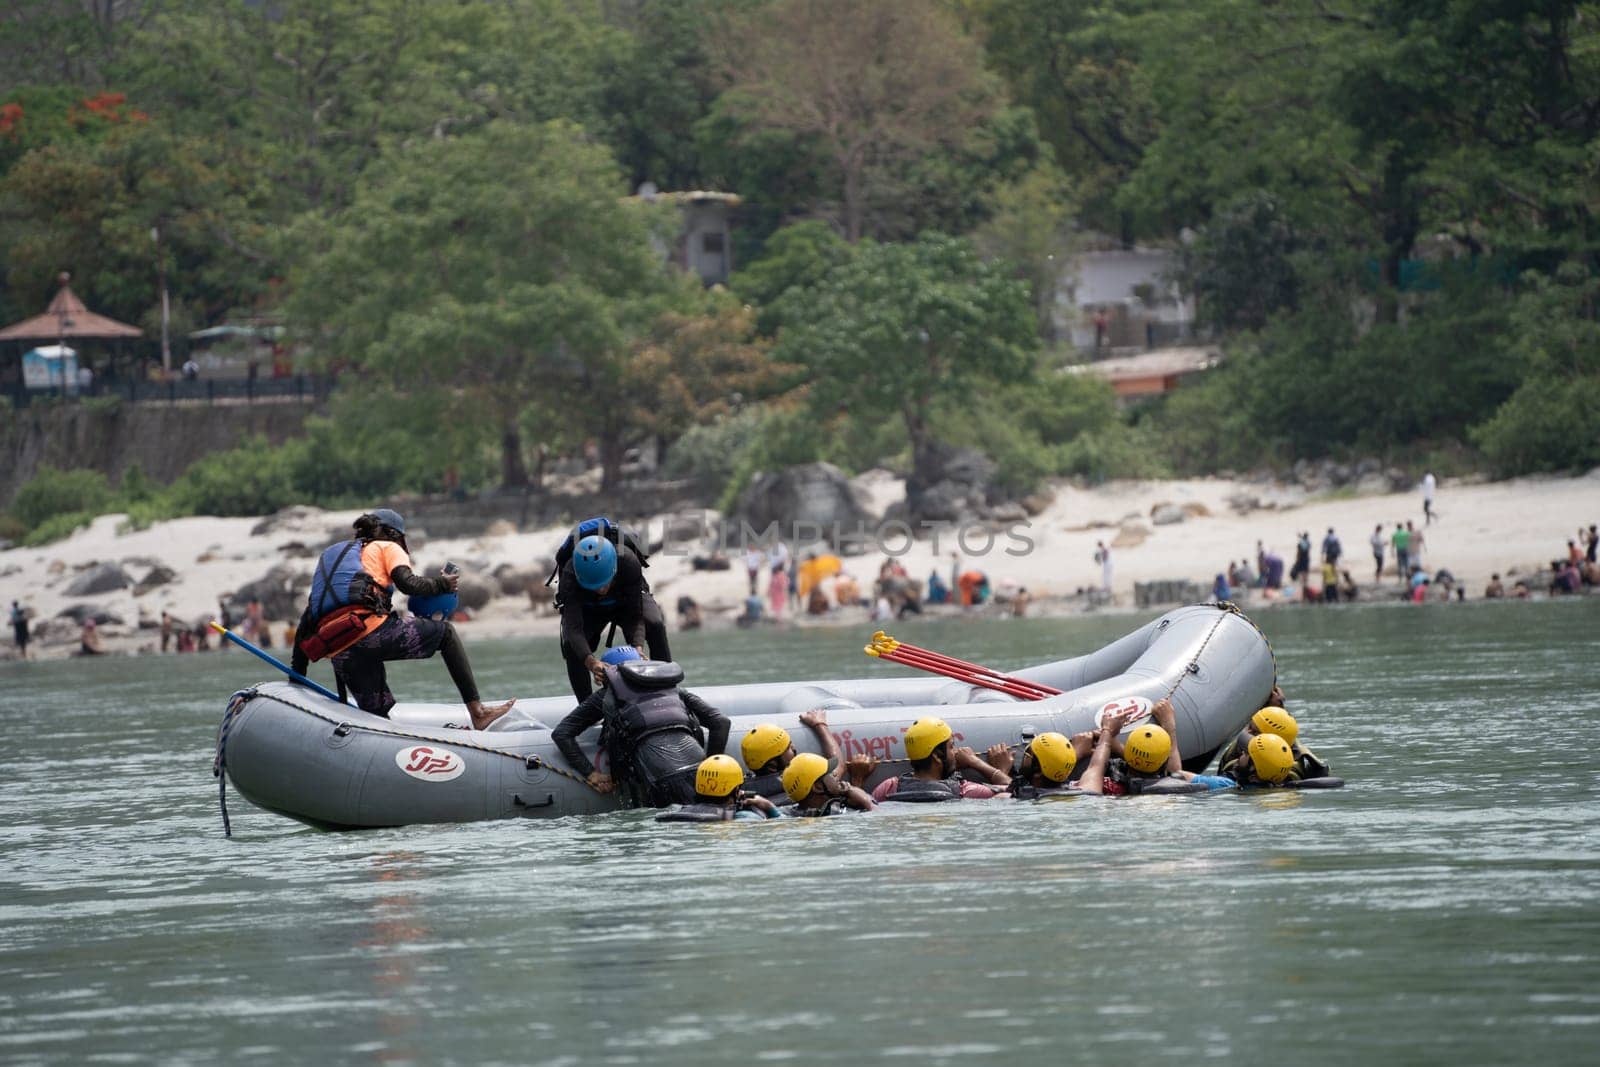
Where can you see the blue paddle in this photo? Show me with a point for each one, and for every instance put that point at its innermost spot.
(284, 667)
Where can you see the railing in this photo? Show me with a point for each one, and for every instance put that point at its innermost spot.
(303, 388)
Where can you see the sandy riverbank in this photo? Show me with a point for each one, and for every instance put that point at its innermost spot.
(1517, 525)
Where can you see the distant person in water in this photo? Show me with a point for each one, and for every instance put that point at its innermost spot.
(1495, 590)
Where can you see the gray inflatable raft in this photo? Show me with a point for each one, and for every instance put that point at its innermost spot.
(293, 752)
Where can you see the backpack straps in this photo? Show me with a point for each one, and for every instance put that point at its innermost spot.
(327, 577)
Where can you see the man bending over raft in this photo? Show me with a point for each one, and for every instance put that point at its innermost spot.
(767, 752)
(934, 763)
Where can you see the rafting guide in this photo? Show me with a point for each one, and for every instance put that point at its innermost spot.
(600, 582)
(349, 618)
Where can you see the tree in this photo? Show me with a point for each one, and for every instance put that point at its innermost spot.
(873, 85)
(795, 258)
(900, 327)
(1033, 229)
(1077, 67)
(493, 271)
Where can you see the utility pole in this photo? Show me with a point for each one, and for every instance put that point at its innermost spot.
(166, 306)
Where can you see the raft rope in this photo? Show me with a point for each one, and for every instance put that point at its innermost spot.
(341, 727)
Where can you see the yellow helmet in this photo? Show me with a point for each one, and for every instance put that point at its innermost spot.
(718, 776)
(1147, 749)
(763, 744)
(802, 774)
(1271, 757)
(1276, 721)
(1055, 756)
(926, 735)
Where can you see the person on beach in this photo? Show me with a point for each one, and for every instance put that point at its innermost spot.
(1417, 543)
(1272, 572)
(816, 792)
(601, 584)
(1591, 540)
(349, 617)
(1401, 539)
(718, 797)
(655, 734)
(1332, 549)
(1272, 719)
(1301, 571)
(1102, 556)
(767, 751)
(752, 566)
(1330, 582)
(935, 759)
(168, 626)
(1495, 590)
(1379, 543)
(1428, 486)
(778, 558)
(1220, 589)
(19, 629)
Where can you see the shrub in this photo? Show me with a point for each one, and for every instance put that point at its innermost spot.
(53, 492)
(58, 527)
(252, 479)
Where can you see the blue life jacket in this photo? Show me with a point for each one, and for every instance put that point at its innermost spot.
(340, 580)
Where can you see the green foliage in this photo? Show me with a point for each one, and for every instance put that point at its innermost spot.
(795, 258)
(900, 327)
(57, 528)
(53, 492)
(251, 479)
(12, 528)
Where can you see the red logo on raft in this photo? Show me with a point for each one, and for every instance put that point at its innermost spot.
(429, 763)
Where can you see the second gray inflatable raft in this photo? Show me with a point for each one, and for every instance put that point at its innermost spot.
(290, 751)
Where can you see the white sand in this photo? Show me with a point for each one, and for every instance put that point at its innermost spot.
(1500, 526)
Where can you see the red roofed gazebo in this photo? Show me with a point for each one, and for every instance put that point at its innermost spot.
(67, 317)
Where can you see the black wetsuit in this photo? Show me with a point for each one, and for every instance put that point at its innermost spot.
(585, 614)
(657, 767)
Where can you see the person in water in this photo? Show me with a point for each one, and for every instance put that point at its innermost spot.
(935, 759)
(1150, 757)
(1046, 763)
(1104, 740)
(816, 792)
(603, 584)
(350, 602)
(718, 796)
(767, 752)
(1267, 763)
(654, 736)
(1272, 719)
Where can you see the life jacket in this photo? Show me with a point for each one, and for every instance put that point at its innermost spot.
(341, 581)
(831, 806)
(1137, 783)
(914, 790)
(1234, 749)
(699, 812)
(1308, 765)
(653, 741)
(605, 528)
(1022, 789)
(769, 786)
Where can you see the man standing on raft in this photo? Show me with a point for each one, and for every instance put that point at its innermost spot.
(603, 583)
(349, 618)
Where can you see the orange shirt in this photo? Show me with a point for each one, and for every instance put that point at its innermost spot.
(379, 559)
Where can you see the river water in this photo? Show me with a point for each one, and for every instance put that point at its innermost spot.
(1445, 908)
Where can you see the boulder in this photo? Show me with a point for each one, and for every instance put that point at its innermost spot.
(81, 613)
(298, 550)
(1010, 512)
(473, 593)
(282, 592)
(1037, 503)
(101, 578)
(517, 581)
(1196, 510)
(950, 484)
(156, 577)
(293, 516)
(500, 528)
(1166, 514)
(814, 493)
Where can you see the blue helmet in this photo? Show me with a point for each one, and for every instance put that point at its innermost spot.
(390, 518)
(594, 561)
(619, 655)
(433, 607)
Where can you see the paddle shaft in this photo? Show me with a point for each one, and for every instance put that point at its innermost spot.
(282, 666)
(1017, 687)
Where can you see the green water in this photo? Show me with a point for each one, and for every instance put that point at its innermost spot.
(1444, 909)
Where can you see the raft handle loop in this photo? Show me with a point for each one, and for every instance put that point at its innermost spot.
(342, 730)
(549, 800)
(533, 763)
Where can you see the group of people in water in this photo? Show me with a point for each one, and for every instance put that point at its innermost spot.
(664, 746)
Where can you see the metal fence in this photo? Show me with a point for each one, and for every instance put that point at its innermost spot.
(305, 388)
